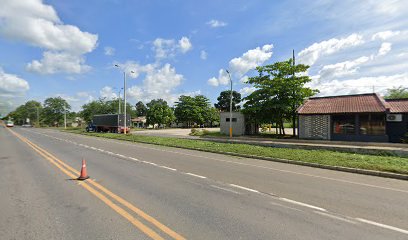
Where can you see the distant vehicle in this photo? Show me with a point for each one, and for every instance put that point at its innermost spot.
(10, 124)
(113, 123)
(27, 125)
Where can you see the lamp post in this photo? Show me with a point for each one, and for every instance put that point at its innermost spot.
(38, 118)
(65, 117)
(119, 99)
(230, 122)
(124, 96)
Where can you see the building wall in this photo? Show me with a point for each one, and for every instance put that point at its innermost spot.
(314, 127)
(238, 127)
(397, 130)
(358, 136)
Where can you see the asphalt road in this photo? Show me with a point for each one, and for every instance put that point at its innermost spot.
(140, 191)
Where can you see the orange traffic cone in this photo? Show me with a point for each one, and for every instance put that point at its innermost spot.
(84, 174)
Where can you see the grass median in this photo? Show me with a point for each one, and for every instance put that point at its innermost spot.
(325, 157)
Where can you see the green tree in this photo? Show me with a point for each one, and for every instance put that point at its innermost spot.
(141, 109)
(93, 108)
(158, 112)
(396, 93)
(26, 111)
(190, 110)
(223, 103)
(213, 116)
(54, 109)
(203, 106)
(279, 91)
(185, 110)
(101, 106)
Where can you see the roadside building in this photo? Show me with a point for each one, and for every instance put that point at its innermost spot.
(360, 117)
(139, 122)
(238, 123)
(241, 125)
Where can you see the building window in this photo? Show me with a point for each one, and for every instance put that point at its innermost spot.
(344, 124)
(227, 119)
(233, 119)
(372, 124)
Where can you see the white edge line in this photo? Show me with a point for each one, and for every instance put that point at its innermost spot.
(303, 204)
(244, 188)
(335, 217)
(195, 175)
(383, 225)
(169, 168)
(154, 164)
(225, 189)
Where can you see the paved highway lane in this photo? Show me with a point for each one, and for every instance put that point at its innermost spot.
(200, 198)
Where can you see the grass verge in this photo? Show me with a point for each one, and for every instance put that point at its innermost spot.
(325, 157)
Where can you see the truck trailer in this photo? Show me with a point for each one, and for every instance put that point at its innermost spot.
(113, 123)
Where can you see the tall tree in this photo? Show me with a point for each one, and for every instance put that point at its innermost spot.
(26, 111)
(280, 89)
(191, 110)
(185, 110)
(93, 108)
(141, 109)
(54, 109)
(223, 103)
(396, 93)
(213, 116)
(158, 112)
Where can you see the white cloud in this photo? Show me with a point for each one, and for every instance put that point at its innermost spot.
(251, 59)
(244, 79)
(11, 84)
(379, 84)
(223, 79)
(216, 23)
(107, 93)
(159, 82)
(12, 90)
(168, 48)
(241, 65)
(384, 35)
(109, 51)
(312, 53)
(329, 72)
(38, 24)
(213, 82)
(59, 62)
(203, 55)
(384, 49)
(245, 91)
(185, 44)
(134, 69)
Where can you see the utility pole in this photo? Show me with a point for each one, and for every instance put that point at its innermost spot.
(38, 119)
(124, 96)
(65, 117)
(294, 104)
(230, 122)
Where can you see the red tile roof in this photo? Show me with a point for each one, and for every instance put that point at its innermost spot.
(369, 103)
(398, 105)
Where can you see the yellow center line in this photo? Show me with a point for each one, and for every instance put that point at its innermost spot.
(60, 164)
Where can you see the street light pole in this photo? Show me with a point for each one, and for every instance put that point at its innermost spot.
(65, 117)
(230, 124)
(38, 119)
(124, 96)
(119, 99)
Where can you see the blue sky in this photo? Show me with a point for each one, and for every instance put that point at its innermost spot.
(68, 48)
